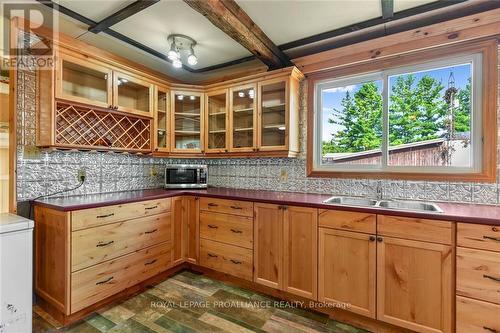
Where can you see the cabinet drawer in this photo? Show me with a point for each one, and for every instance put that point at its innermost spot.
(242, 208)
(225, 258)
(350, 221)
(85, 218)
(478, 274)
(417, 229)
(475, 316)
(95, 245)
(226, 228)
(478, 236)
(96, 283)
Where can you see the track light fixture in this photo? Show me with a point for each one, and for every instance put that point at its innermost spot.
(179, 43)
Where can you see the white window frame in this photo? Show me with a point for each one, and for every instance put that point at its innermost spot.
(476, 151)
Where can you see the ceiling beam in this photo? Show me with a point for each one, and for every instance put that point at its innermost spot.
(231, 19)
(121, 15)
(387, 8)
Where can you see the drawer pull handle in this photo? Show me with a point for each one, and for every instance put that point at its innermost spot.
(236, 262)
(236, 207)
(491, 278)
(151, 231)
(148, 208)
(211, 204)
(236, 231)
(101, 244)
(212, 255)
(105, 281)
(150, 262)
(492, 238)
(490, 329)
(211, 226)
(104, 216)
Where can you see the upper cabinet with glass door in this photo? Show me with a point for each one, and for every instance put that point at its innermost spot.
(83, 81)
(187, 122)
(132, 95)
(162, 120)
(243, 118)
(273, 115)
(216, 136)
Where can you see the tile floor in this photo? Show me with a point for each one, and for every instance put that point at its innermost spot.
(189, 302)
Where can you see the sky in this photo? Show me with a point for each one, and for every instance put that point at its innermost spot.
(333, 97)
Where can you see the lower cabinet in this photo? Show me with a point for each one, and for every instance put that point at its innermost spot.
(415, 284)
(285, 250)
(185, 229)
(193, 225)
(347, 270)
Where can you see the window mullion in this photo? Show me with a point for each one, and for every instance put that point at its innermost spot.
(385, 121)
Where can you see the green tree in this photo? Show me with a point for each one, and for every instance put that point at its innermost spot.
(360, 120)
(462, 114)
(416, 110)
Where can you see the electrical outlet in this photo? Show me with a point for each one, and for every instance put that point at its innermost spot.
(153, 171)
(81, 174)
(283, 175)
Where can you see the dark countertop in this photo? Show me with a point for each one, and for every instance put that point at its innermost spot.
(470, 213)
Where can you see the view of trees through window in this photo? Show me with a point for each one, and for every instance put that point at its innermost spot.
(428, 119)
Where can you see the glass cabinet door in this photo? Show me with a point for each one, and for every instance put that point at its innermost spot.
(187, 122)
(84, 82)
(132, 94)
(273, 115)
(162, 120)
(217, 115)
(243, 118)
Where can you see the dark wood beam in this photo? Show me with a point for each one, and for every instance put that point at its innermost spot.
(231, 19)
(121, 15)
(387, 8)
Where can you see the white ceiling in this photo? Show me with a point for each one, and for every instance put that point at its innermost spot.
(282, 20)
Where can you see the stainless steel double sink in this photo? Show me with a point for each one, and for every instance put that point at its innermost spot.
(412, 206)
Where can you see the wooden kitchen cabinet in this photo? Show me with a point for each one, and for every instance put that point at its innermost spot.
(132, 94)
(347, 270)
(83, 81)
(179, 230)
(185, 229)
(415, 287)
(217, 121)
(273, 114)
(192, 205)
(243, 118)
(268, 245)
(162, 120)
(285, 248)
(187, 129)
(300, 251)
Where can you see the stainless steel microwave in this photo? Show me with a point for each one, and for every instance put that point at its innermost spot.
(186, 176)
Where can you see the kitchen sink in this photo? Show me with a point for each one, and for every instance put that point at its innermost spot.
(414, 206)
(351, 201)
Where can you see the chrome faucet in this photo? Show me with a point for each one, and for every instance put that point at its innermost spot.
(380, 190)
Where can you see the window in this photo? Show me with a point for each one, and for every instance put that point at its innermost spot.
(420, 119)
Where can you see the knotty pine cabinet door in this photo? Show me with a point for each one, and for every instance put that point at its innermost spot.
(347, 270)
(300, 251)
(192, 241)
(179, 230)
(185, 229)
(414, 284)
(268, 245)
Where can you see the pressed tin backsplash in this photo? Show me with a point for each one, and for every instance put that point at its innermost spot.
(48, 172)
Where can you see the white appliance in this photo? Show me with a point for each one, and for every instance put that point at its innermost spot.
(16, 273)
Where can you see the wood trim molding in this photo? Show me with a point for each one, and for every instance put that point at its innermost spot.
(472, 27)
(489, 49)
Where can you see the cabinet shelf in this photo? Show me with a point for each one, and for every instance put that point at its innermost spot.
(243, 129)
(247, 110)
(274, 108)
(186, 132)
(280, 127)
(217, 114)
(217, 131)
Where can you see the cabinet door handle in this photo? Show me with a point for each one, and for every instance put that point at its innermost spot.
(491, 277)
(236, 231)
(236, 207)
(151, 231)
(104, 216)
(212, 255)
(150, 262)
(148, 208)
(101, 244)
(490, 329)
(104, 281)
(372, 238)
(211, 204)
(236, 262)
(211, 226)
(497, 239)
(380, 239)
